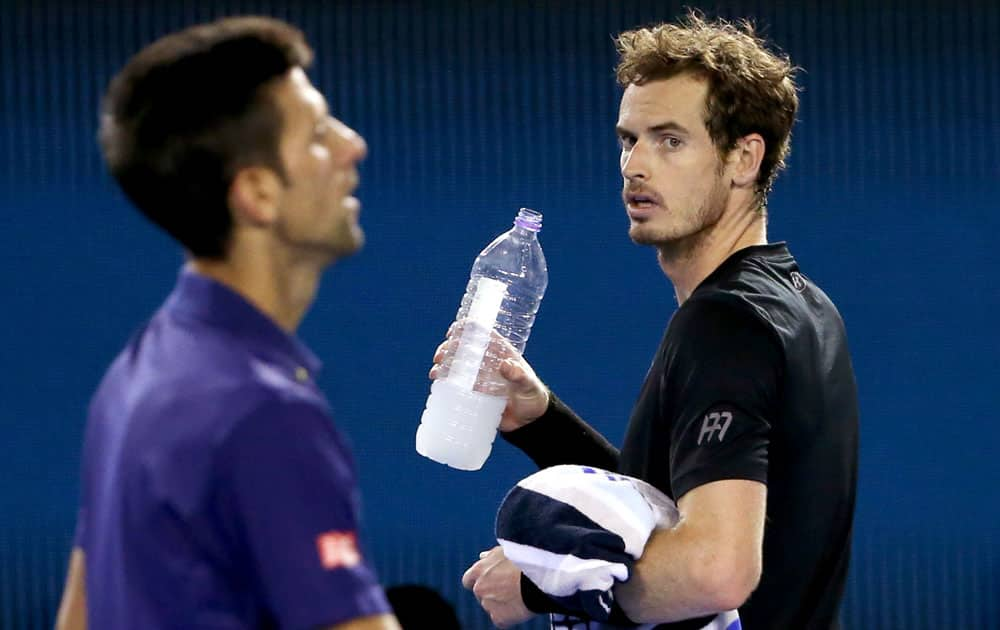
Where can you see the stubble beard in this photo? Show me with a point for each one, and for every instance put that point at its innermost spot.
(323, 247)
(348, 240)
(677, 239)
(353, 237)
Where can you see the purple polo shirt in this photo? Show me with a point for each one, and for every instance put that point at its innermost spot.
(216, 492)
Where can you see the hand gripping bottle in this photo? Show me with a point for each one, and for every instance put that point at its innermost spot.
(468, 397)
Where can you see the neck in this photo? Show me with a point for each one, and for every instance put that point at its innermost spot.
(687, 262)
(280, 289)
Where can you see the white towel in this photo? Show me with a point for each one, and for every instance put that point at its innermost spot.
(576, 530)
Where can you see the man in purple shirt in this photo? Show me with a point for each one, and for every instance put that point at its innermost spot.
(216, 491)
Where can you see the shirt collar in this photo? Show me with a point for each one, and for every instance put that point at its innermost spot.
(201, 298)
(776, 252)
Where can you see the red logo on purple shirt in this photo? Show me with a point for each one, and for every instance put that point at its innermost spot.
(338, 550)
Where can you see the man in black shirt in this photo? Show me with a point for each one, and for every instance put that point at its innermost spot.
(748, 416)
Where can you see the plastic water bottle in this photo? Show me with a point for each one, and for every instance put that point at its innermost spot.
(468, 396)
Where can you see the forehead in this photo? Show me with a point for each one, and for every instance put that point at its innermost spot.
(678, 99)
(300, 102)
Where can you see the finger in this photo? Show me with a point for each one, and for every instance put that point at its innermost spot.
(492, 551)
(440, 350)
(445, 348)
(510, 370)
(470, 576)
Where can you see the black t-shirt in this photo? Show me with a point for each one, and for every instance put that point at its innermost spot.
(752, 380)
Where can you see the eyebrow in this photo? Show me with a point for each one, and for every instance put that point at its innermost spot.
(665, 126)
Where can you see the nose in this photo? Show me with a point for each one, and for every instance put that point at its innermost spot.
(359, 145)
(634, 162)
(353, 145)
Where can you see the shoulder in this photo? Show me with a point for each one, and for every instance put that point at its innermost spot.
(717, 334)
(186, 379)
(720, 314)
(775, 290)
(276, 407)
(282, 441)
(280, 410)
(231, 380)
(760, 290)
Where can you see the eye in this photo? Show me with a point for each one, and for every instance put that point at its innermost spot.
(671, 142)
(626, 141)
(321, 131)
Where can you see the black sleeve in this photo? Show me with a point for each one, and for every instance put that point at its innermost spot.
(559, 436)
(730, 367)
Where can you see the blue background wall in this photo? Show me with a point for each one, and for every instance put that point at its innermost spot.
(471, 111)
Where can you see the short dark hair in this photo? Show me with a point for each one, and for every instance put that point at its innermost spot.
(190, 110)
(750, 88)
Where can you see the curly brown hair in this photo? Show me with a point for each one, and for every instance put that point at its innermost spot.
(750, 88)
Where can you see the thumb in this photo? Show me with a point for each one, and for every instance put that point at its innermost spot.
(510, 370)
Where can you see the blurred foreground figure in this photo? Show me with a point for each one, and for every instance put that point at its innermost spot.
(216, 491)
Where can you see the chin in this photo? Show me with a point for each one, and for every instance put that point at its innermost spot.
(646, 235)
(665, 233)
(358, 237)
(350, 244)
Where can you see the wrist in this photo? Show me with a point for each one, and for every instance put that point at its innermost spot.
(544, 404)
(536, 409)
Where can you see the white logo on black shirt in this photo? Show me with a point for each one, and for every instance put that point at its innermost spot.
(798, 282)
(715, 421)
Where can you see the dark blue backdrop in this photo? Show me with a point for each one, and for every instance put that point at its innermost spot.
(471, 111)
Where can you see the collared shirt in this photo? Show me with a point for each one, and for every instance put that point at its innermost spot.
(216, 491)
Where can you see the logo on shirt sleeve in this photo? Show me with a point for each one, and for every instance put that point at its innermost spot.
(798, 282)
(715, 425)
(338, 550)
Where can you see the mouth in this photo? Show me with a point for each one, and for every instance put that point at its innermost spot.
(350, 200)
(352, 185)
(640, 205)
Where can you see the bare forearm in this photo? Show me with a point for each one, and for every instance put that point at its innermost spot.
(73, 607)
(375, 622)
(708, 563)
(664, 585)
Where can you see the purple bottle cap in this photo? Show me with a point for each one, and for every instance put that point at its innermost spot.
(529, 219)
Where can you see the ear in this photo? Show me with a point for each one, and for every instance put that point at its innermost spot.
(746, 159)
(254, 196)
